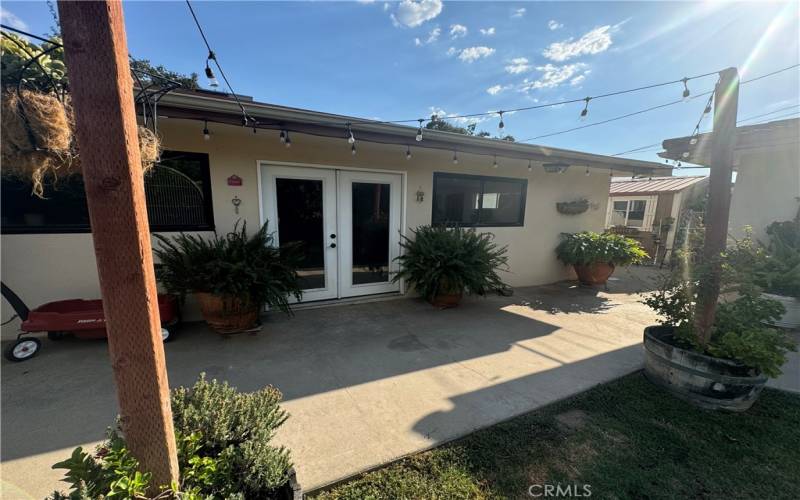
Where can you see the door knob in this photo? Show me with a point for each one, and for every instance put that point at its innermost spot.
(332, 245)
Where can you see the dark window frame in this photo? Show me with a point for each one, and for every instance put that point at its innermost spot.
(208, 206)
(483, 179)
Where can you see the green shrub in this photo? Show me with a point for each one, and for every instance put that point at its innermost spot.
(440, 260)
(588, 247)
(740, 330)
(780, 273)
(249, 267)
(223, 438)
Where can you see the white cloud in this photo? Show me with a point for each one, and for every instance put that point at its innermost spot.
(432, 37)
(451, 51)
(554, 25)
(386, 6)
(462, 121)
(596, 41)
(518, 65)
(518, 12)
(457, 31)
(496, 89)
(487, 31)
(577, 80)
(553, 76)
(471, 54)
(12, 20)
(411, 13)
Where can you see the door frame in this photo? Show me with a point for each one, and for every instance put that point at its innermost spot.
(403, 192)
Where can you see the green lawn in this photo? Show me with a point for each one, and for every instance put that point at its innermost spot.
(626, 439)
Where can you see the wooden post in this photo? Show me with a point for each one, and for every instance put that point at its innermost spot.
(723, 144)
(102, 96)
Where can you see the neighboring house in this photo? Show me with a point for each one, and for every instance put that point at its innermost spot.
(650, 207)
(767, 166)
(348, 209)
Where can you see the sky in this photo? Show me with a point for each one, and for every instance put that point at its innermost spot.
(412, 58)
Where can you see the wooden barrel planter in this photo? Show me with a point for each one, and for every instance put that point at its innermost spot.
(226, 314)
(711, 383)
(594, 274)
(446, 301)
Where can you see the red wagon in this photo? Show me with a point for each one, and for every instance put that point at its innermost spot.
(82, 318)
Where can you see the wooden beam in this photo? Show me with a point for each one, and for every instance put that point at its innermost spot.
(723, 144)
(105, 125)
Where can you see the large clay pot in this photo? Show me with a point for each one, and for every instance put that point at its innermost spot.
(446, 300)
(791, 318)
(227, 314)
(712, 383)
(594, 274)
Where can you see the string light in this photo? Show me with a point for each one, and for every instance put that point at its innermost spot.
(585, 111)
(353, 149)
(530, 167)
(206, 133)
(408, 152)
(501, 125)
(587, 174)
(419, 131)
(495, 162)
(455, 158)
(288, 140)
(686, 92)
(282, 137)
(212, 80)
(350, 138)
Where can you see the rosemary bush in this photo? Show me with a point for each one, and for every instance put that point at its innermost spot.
(588, 247)
(440, 260)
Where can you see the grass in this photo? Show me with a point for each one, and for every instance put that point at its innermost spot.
(626, 439)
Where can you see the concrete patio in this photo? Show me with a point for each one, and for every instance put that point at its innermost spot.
(364, 384)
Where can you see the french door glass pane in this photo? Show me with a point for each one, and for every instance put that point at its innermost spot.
(370, 233)
(300, 220)
(636, 213)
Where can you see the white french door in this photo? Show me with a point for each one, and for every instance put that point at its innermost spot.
(346, 222)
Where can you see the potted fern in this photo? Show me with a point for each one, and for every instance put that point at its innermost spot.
(232, 276)
(444, 263)
(594, 256)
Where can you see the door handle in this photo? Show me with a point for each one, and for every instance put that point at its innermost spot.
(332, 245)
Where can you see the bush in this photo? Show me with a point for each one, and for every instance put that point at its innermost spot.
(223, 438)
(740, 330)
(587, 248)
(780, 273)
(440, 260)
(250, 268)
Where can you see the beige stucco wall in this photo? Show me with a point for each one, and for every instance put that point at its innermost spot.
(43, 268)
(767, 189)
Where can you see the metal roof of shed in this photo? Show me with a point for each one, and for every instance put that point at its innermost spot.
(653, 185)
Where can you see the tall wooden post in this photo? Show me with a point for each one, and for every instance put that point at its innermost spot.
(100, 83)
(723, 144)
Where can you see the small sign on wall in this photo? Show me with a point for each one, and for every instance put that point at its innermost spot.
(234, 180)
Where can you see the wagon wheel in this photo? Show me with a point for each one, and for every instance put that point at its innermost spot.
(23, 349)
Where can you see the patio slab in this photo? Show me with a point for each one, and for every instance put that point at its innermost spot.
(364, 384)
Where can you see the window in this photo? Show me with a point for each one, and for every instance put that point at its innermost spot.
(629, 213)
(177, 190)
(472, 200)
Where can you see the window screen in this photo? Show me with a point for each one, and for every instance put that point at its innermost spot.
(470, 200)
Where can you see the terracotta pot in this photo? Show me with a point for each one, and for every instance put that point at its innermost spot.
(446, 301)
(707, 382)
(594, 274)
(227, 314)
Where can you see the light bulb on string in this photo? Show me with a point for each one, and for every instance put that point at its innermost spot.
(419, 131)
(206, 133)
(686, 92)
(455, 158)
(350, 137)
(587, 174)
(495, 165)
(212, 80)
(408, 152)
(530, 167)
(353, 149)
(282, 137)
(288, 140)
(501, 125)
(585, 111)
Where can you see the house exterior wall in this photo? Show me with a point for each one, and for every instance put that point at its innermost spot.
(46, 267)
(767, 189)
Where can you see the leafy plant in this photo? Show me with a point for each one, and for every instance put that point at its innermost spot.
(223, 438)
(780, 273)
(440, 260)
(249, 267)
(588, 247)
(740, 330)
